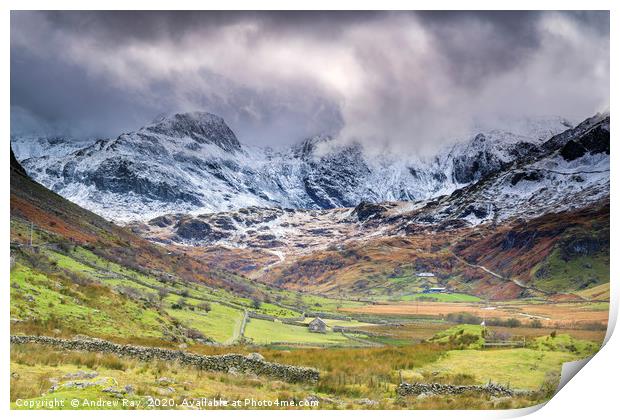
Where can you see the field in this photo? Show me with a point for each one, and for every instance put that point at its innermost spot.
(571, 275)
(53, 301)
(74, 290)
(520, 368)
(343, 323)
(564, 315)
(266, 332)
(349, 376)
(221, 323)
(34, 375)
(441, 297)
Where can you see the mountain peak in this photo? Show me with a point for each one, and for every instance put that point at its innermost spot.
(308, 146)
(202, 127)
(198, 117)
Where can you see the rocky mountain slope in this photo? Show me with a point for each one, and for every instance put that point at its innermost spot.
(507, 219)
(567, 172)
(193, 163)
(59, 224)
(526, 222)
(37, 146)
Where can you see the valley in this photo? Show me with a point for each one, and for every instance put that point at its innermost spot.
(497, 249)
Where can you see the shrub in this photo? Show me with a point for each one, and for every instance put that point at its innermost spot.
(194, 334)
(513, 323)
(180, 304)
(256, 303)
(163, 292)
(594, 326)
(464, 318)
(536, 323)
(205, 306)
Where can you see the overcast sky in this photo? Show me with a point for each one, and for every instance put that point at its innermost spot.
(398, 78)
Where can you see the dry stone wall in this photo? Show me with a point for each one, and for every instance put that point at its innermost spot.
(495, 390)
(221, 363)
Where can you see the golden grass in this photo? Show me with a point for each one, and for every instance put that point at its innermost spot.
(553, 314)
(600, 292)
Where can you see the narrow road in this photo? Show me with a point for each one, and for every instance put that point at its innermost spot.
(239, 329)
(499, 276)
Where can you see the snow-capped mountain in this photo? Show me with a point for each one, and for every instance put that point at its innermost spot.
(193, 163)
(35, 146)
(566, 172)
(569, 171)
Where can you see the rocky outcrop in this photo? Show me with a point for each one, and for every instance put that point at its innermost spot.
(594, 141)
(220, 363)
(193, 229)
(124, 176)
(334, 179)
(202, 127)
(575, 246)
(365, 211)
(472, 168)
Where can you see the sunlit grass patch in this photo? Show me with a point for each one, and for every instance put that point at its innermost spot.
(521, 368)
(265, 332)
(221, 323)
(463, 336)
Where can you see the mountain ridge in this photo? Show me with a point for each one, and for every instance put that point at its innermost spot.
(193, 163)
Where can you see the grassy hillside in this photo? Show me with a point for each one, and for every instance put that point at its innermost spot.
(75, 273)
(559, 253)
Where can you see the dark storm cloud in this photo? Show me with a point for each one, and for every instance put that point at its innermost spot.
(66, 99)
(114, 26)
(378, 77)
(496, 41)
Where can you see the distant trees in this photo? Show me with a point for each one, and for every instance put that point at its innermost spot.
(464, 318)
(467, 318)
(512, 323)
(536, 324)
(256, 303)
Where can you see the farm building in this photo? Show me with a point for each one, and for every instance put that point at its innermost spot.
(426, 275)
(317, 325)
(436, 290)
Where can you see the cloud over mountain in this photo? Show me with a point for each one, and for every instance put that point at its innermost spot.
(395, 79)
